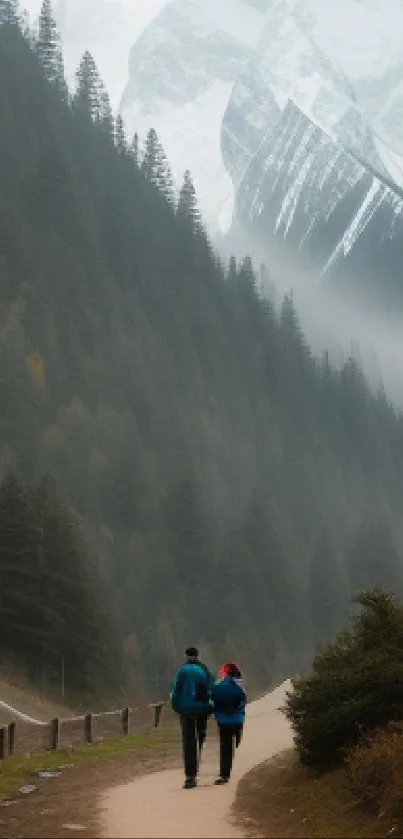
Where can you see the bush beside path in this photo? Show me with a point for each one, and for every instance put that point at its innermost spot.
(344, 777)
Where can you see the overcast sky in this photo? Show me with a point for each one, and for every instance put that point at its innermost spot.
(107, 28)
(145, 9)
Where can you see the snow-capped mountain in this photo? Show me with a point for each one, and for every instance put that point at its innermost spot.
(182, 70)
(303, 190)
(343, 67)
(289, 111)
(362, 42)
(298, 139)
(288, 64)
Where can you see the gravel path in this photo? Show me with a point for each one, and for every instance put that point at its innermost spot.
(156, 807)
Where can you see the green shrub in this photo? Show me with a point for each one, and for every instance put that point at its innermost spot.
(356, 684)
(375, 769)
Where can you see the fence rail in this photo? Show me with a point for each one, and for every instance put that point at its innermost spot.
(28, 737)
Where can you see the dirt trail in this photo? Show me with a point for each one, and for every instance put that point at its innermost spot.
(156, 806)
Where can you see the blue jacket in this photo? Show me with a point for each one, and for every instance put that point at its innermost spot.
(230, 701)
(191, 690)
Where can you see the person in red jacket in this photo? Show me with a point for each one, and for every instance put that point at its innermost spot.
(229, 699)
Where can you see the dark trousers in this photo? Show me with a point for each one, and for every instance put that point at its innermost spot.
(193, 735)
(230, 736)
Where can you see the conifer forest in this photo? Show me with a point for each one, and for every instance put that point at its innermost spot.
(176, 466)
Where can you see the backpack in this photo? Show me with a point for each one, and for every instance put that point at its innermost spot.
(190, 694)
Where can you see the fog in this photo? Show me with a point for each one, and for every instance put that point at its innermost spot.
(107, 29)
(331, 320)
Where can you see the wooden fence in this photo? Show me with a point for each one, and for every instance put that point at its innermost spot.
(27, 737)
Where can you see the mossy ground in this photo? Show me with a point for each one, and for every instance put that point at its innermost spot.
(76, 794)
(16, 771)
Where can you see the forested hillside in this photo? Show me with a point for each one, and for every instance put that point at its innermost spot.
(184, 470)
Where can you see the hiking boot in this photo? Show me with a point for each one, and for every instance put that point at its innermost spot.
(219, 781)
(190, 783)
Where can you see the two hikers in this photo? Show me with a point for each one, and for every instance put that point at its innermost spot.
(195, 695)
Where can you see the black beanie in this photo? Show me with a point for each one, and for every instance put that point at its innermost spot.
(192, 652)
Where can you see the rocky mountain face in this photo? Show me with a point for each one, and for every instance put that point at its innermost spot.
(301, 139)
(313, 198)
(287, 116)
(182, 71)
(175, 61)
(288, 64)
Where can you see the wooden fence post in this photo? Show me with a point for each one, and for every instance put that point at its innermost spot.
(54, 734)
(126, 721)
(3, 742)
(11, 738)
(88, 728)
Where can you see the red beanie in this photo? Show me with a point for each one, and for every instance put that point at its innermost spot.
(229, 669)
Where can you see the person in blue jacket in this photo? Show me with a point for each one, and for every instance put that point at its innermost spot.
(230, 700)
(191, 699)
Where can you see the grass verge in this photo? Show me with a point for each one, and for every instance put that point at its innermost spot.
(283, 799)
(17, 771)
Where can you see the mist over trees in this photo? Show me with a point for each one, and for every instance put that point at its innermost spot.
(51, 603)
(199, 475)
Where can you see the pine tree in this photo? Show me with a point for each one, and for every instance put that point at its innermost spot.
(189, 544)
(294, 340)
(48, 49)
(9, 12)
(164, 179)
(373, 560)
(327, 589)
(87, 90)
(120, 137)
(18, 575)
(246, 272)
(48, 601)
(278, 586)
(91, 96)
(134, 149)
(150, 156)
(105, 117)
(187, 204)
(232, 272)
(156, 168)
(289, 322)
(68, 620)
